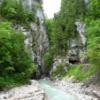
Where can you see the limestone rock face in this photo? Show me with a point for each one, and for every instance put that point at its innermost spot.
(27, 4)
(36, 37)
(77, 45)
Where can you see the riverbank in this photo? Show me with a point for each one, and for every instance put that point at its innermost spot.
(26, 92)
(83, 92)
(45, 89)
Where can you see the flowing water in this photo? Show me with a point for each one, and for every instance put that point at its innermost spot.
(53, 93)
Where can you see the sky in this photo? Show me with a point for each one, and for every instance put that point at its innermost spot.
(50, 7)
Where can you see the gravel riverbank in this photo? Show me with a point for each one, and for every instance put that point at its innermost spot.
(26, 92)
(68, 85)
(82, 91)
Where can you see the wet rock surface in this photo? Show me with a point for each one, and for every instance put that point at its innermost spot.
(26, 92)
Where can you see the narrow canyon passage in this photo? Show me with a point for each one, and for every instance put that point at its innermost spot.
(49, 49)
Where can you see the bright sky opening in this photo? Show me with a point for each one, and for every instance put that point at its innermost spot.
(50, 7)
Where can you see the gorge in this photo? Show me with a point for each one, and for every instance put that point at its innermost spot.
(49, 59)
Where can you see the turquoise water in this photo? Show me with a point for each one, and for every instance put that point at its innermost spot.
(53, 93)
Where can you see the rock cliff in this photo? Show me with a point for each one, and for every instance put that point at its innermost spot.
(36, 37)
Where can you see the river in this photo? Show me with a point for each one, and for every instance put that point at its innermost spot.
(54, 93)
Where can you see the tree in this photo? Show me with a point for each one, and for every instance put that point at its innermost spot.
(64, 23)
(93, 31)
(15, 62)
(94, 9)
(14, 10)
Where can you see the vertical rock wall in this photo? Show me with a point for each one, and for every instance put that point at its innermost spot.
(39, 39)
(77, 45)
(36, 37)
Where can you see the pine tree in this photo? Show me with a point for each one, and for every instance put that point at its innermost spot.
(71, 10)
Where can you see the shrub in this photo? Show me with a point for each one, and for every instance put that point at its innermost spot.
(14, 10)
(15, 62)
(93, 31)
(80, 72)
(60, 70)
(48, 61)
(94, 52)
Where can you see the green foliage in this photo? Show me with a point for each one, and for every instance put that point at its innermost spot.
(70, 12)
(93, 34)
(94, 9)
(62, 27)
(14, 10)
(48, 60)
(93, 31)
(49, 23)
(15, 62)
(60, 70)
(80, 72)
(93, 43)
(60, 35)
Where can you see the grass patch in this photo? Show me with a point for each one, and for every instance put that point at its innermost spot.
(60, 70)
(80, 72)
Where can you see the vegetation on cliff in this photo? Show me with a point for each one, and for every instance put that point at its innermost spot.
(62, 28)
(16, 65)
(93, 34)
(15, 11)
